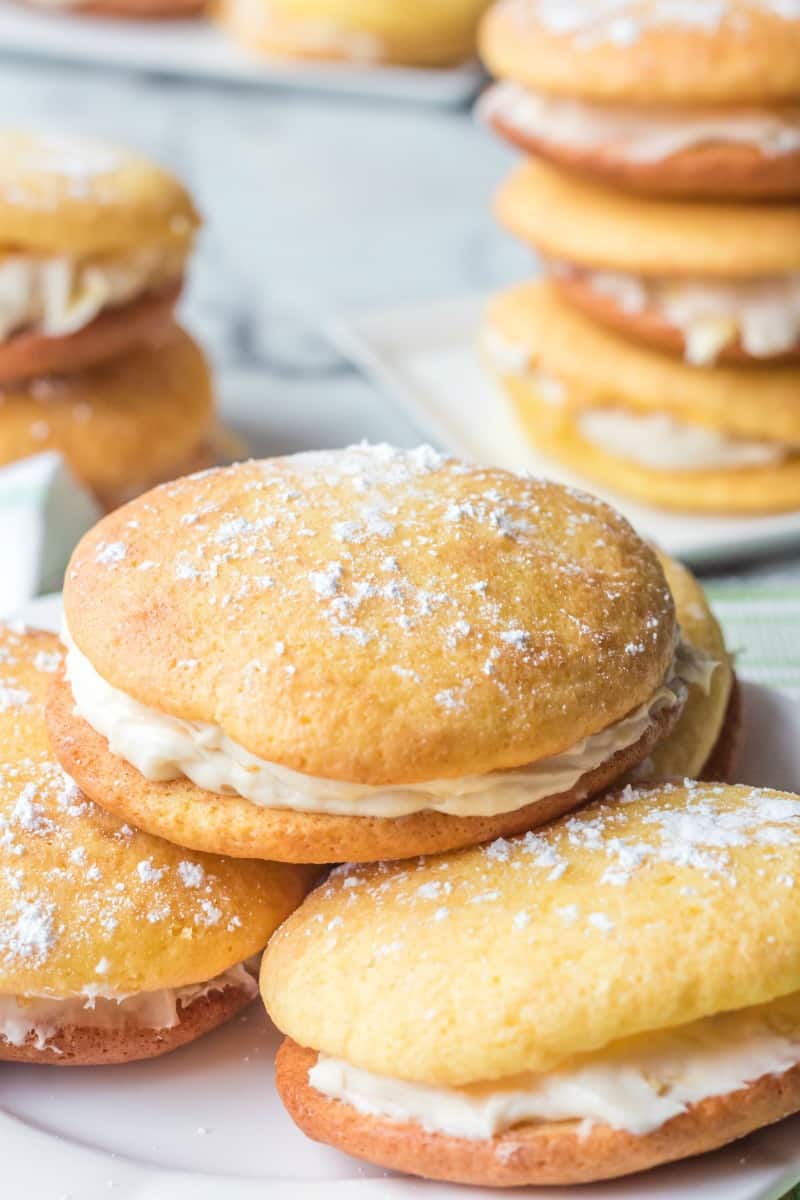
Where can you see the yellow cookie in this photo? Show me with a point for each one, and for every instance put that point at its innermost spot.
(589, 225)
(648, 51)
(368, 31)
(114, 945)
(361, 654)
(619, 990)
(122, 426)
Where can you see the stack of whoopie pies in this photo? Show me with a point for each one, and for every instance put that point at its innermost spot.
(95, 242)
(544, 962)
(660, 354)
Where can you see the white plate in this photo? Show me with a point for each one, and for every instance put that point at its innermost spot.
(426, 357)
(199, 49)
(205, 1122)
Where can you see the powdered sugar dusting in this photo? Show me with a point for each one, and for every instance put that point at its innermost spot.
(110, 553)
(706, 840)
(410, 565)
(42, 170)
(623, 22)
(71, 876)
(13, 697)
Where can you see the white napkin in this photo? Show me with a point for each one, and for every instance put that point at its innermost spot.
(43, 513)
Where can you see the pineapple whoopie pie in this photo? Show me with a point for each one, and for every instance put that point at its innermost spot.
(114, 945)
(641, 423)
(362, 654)
(94, 242)
(617, 990)
(656, 96)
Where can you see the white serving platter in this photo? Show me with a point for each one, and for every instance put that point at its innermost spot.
(199, 49)
(425, 356)
(205, 1122)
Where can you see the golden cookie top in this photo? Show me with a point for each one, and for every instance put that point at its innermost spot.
(592, 225)
(649, 909)
(648, 51)
(375, 615)
(66, 194)
(602, 369)
(88, 902)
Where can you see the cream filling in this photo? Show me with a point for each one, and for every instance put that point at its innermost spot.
(58, 296)
(763, 314)
(660, 441)
(636, 1087)
(509, 358)
(637, 134)
(162, 748)
(43, 1016)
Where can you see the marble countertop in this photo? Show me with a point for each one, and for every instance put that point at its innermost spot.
(313, 205)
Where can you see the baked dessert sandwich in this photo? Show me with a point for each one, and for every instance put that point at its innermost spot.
(95, 241)
(640, 423)
(654, 96)
(618, 990)
(362, 654)
(114, 945)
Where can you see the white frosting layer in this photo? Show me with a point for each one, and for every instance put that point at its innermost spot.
(639, 135)
(658, 440)
(58, 296)
(44, 1016)
(763, 314)
(507, 357)
(637, 1087)
(162, 747)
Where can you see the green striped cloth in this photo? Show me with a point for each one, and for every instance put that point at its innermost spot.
(761, 621)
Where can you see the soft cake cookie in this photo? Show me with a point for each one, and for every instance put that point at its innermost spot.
(619, 990)
(711, 280)
(365, 31)
(113, 945)
(724, 52)
(640, 423)
(703, 744)
(94, 242)
(655, 96)
(361, 654)
(121, 426)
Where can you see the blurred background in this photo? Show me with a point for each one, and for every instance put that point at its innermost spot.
(313, 203)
